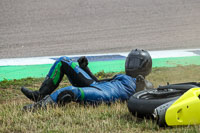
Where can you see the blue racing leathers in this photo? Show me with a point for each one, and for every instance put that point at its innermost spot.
(121, 87)
(85, 87)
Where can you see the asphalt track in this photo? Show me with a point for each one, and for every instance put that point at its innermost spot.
(30, 28)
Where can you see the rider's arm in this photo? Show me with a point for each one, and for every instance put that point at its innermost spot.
(83, 62)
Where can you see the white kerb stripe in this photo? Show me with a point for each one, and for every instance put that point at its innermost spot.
(49, 60)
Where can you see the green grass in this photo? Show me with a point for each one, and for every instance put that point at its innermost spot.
(78, 118)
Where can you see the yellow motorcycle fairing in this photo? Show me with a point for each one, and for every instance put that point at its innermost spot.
(185, 110)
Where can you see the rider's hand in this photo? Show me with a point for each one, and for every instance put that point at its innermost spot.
(139, 79)
(83, 61)
(140, 83)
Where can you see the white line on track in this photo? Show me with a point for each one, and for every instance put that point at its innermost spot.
(49, 60)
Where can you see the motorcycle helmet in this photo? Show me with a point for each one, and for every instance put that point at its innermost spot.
(138, 62)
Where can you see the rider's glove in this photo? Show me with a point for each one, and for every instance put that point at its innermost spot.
(83, 61)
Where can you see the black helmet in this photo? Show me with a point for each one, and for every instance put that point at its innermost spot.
(138, 62)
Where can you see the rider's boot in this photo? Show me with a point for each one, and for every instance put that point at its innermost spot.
(42, 104)
(46, 88)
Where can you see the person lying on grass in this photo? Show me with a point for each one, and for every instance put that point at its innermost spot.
(86, 88)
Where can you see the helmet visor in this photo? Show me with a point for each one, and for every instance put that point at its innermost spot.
(134, 63)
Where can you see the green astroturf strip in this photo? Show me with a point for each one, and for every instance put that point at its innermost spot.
(18, 72)
(173, 62)
(35, 71)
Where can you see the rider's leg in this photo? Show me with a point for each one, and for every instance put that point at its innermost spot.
(62, 66)
(50, 83)
(59, 97)
(76, 75)
(67, 94)
(89, 95)
(43, 103)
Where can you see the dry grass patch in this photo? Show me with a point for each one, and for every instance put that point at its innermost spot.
(78, 118)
